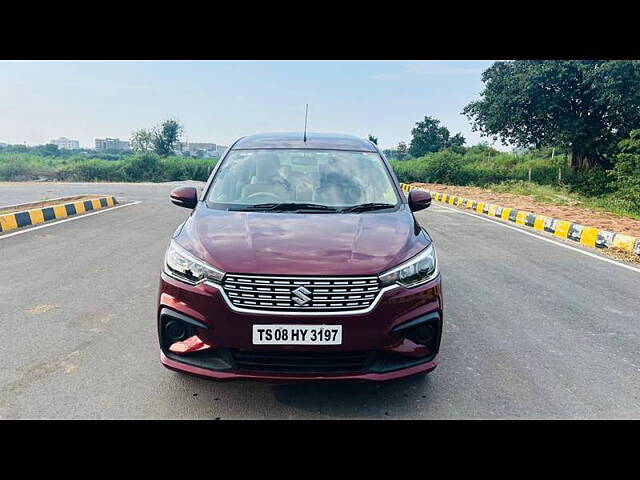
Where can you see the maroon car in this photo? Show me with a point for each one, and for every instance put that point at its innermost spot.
(301, 260)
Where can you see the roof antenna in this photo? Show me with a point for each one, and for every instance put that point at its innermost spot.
(306, 111)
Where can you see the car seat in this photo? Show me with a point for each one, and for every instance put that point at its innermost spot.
(267, 179)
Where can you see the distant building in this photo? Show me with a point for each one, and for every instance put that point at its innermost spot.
(197, 149)
(112, 144)
(220, 149)
(64, 143)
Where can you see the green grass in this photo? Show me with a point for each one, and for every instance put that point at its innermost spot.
(557, 195)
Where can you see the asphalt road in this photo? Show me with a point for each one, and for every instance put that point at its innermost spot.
(532, 330)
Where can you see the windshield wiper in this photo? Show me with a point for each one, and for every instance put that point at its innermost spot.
(288, 207)
(363, 207)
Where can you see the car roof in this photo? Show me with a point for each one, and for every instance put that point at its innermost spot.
(315, 141)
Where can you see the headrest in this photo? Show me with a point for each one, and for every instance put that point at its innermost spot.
(267, 165)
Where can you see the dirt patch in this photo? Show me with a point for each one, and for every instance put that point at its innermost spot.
(621, 255)
(40, 309)
(572, 213)
(46, 203)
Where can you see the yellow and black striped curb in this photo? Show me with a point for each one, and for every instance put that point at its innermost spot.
(11, 221)
(588, 236)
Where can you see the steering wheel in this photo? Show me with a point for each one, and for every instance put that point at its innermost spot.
(264, 194)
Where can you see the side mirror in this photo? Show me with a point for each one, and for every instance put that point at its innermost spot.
(186, 197)
(419, 200)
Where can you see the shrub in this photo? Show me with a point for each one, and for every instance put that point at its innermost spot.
(20, 166)
(96, 166)
(625, 174)
(445, 167)
(481, 166)
(14, 169)
(441, 167)
(591, 183)
(182, 168)
(91, 171)
(143, 167)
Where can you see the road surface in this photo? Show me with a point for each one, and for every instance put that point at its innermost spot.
(532, 329)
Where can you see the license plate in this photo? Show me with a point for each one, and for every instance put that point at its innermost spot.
(297, 334)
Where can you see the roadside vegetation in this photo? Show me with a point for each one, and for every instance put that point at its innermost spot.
(135, 167)
(152, 159)
(616, 190)
(575, 126)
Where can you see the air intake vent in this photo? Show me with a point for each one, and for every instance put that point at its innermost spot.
(299, 362)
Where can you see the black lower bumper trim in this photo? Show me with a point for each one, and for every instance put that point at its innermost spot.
(311, 362)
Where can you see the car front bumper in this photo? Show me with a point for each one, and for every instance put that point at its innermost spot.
(375, 336)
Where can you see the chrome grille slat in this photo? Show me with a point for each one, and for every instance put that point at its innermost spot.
(271, 293)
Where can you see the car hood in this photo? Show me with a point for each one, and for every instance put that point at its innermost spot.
(302, 244)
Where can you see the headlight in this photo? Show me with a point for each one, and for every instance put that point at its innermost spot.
(184, 266)
(415, 271)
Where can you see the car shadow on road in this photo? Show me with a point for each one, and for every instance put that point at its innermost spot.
(409, 397)
(395, 399)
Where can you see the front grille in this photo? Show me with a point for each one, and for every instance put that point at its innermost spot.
(299, 362)
(317, 293)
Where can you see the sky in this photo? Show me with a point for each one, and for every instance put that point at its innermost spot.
(219, 101)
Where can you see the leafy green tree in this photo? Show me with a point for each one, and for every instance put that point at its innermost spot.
(428, 137)
(373, 139)
(47, 150)
(142, 140)
(456, 143)
(166, 137)
(588, 106)
(161, 139)
(626, 170)
(16, 148)
(401, 151)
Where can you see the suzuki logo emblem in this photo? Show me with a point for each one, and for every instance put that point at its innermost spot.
(299, 296)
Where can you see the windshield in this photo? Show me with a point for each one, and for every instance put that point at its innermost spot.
(324, 180)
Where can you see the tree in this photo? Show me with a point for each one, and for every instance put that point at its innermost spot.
(588, 106)
(142, 140)
(49, 149)
(626, 170)
(401, 151)
(373, 139)
(161, 139)
(428, 136)
(166, 137)
(456, 143)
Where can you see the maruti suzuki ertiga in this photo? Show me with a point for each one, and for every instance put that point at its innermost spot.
(301, 260)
